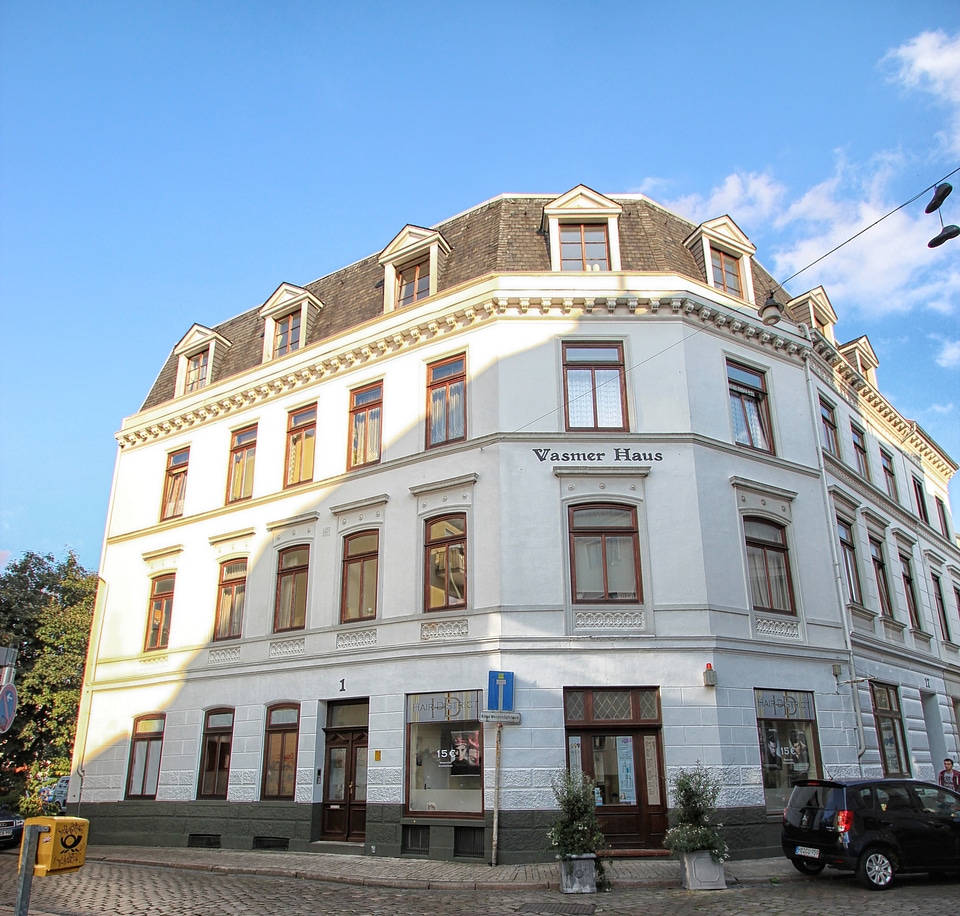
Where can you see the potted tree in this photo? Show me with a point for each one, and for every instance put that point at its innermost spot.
(696, 837)
(576, 835)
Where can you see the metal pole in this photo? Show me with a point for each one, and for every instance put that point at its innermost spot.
(28, 857)
(496, 797)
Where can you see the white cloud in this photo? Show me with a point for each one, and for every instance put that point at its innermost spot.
(751, 199)
(949, 355)
(931, 63)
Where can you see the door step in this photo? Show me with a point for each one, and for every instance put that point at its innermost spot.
(636, 853)
(337, 848)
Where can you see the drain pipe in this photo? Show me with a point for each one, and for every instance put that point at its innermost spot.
(837, 575)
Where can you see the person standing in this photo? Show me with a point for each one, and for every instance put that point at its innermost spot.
(949, 777)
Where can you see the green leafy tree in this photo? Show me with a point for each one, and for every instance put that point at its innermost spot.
(45, 611)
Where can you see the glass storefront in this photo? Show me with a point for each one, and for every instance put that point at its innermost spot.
(444, 753)
(789, 747)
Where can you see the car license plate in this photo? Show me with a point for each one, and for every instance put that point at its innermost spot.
(807, 852)
(6, 833)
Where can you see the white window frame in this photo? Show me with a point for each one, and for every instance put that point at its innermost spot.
(286, 300)
(582, 205)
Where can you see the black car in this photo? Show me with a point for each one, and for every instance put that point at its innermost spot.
(11, 827)
(876, 827)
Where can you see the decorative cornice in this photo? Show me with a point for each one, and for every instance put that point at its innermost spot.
(454, 318)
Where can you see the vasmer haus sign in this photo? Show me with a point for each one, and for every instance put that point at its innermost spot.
(620, 454)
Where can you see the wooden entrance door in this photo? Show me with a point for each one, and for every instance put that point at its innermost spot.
(626, 766)
(345, 785)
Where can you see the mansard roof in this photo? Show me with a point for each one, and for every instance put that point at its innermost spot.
(499, 236)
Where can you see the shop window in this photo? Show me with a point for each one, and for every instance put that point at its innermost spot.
(748, 407)
(175, 484)
(145, 749)
(768, 564)
(361, 559)
(366, 406)
(789, 745)
(159, 614)
(290, 611)
(215, 762)
(848, 555)
(230, 598)
(445, 552)
(444, 753)
(594, 386)
(890, 733)
(446, 401)
(280, 752)
(243, 458)
(605, 554)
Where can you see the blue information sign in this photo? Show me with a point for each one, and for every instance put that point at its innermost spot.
(500, 691)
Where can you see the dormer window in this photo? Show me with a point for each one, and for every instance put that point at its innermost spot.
(286, 336)
(726, 272)
(197, 370)
(814, 310)
(583, 247)
(198, 354)
(411, 266)
(413, 283)
(584, 231)
(287, 316)
(723, 253)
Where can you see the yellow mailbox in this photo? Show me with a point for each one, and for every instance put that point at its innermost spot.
(63, 847)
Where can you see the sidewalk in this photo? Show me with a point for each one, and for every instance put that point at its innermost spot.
(378, 871)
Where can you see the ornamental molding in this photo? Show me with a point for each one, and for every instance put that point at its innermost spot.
(609, 620)
(287, 648)
(228, 656)
(778, 628)
(357, 639)
(154, 661)
(490, 301)
(444, 629)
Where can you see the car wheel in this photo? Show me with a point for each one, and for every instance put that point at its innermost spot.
(806, 867)
(876, 869)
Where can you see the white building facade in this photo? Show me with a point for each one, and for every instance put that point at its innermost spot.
(535, 488)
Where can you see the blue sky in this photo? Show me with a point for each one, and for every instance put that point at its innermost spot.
(169, 163)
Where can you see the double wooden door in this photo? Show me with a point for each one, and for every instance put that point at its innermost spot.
(626, 765)
(345, 785)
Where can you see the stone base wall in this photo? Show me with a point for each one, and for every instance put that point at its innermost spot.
(750, 832)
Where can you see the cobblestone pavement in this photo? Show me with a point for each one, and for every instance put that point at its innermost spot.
(108, 886)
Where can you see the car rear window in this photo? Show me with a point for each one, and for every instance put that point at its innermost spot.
(819, 797)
